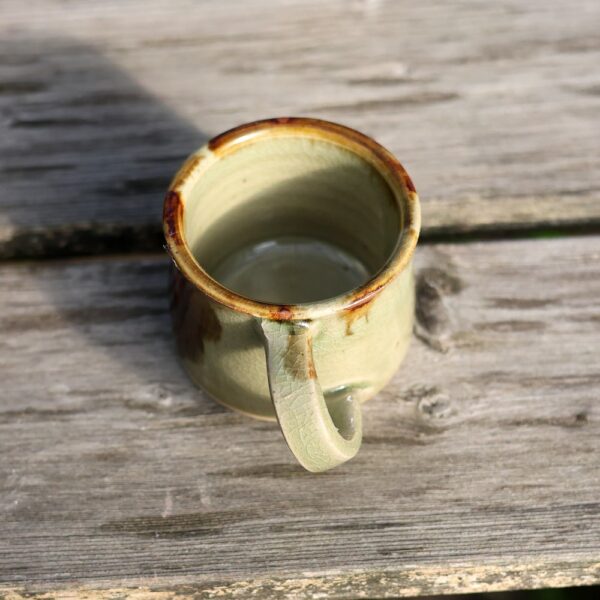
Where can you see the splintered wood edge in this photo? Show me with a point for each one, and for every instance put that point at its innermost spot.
(383, 584)
(461, 217)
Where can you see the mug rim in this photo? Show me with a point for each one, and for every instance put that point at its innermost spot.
(382, 160)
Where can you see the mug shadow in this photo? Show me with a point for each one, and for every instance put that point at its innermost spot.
(96, 137)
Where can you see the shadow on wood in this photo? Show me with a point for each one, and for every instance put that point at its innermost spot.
(93, 135)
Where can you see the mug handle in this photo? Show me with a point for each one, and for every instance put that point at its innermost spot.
(320, 434)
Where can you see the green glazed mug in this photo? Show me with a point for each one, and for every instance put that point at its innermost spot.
(293, 297)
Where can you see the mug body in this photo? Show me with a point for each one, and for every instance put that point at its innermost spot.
(292, 179)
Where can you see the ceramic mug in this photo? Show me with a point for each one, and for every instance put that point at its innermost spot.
(293, 296)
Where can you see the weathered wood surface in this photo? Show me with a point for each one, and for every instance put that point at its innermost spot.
(492, 106)
(479, 469)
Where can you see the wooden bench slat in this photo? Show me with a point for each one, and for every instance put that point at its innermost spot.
(479, 468)
(493, 107)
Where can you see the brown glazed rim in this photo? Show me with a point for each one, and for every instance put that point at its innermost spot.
(393, 172)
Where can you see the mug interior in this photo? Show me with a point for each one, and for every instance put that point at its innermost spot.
(291, 219)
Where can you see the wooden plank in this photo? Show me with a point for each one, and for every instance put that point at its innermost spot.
(492, 106)
(479, 469)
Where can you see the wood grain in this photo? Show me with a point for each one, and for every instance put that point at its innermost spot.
(479, 468)
(493, 107)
